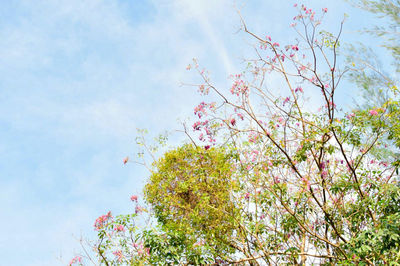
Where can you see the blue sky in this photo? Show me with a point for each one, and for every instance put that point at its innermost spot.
(79, 76)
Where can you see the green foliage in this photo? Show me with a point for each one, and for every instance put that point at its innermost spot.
(172, 248)
(380, 244)
(191, 192)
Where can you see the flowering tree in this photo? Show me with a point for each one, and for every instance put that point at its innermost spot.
(268, 178)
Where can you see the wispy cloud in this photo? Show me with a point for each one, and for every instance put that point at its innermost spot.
(80, 77)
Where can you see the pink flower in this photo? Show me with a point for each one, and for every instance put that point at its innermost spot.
(373, 112)
(325, 10)
(143, 252)
(102, 221)
(349, 116)
(286, 100)
(385, 164)
(134, 198)
(119, 255)
(295, 48)
(126, 159)
(206, 147)
(275, 44)
(196, 126)
(75, 259)
(299, 89)
(324, 174)
(119, 228)
(233, 121)
(200, 109)
(138, 209)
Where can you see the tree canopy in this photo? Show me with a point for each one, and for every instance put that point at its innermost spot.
(268, 177)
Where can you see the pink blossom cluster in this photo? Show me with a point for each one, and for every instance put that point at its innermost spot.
(238, 86)
(253, 137)
(202, 126)
(199, 124)
(102, 221)
(134, 198)
(265, 43)
(241, 117)
(144, 252)
(373, 112)
(287, 99)
(293, 48)
(138, 209)
(200, 109)
(299, 89)
(308, 12)
(210, 139)
(350, 116)
(119, 228)
(313, 80)
(254, 155)
(302, 68)
(118, 254)
(324, 170)
(141, 250)
(277, 57)
(204, 90)
(385, 164)
(331, 104)
(76, 259)
(281, 120)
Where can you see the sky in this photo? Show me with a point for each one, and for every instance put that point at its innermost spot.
(78, 77)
